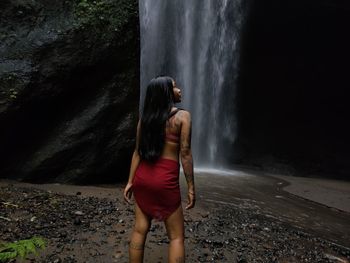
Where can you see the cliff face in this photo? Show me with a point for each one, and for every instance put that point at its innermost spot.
(69, 89)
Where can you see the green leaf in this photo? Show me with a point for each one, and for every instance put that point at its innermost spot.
(20, 248)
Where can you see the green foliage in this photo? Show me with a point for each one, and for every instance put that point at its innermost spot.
(21, 248)
(13, 93)
(101, 13)
(8, 84)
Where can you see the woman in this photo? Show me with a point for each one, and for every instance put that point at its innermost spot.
(163, 133)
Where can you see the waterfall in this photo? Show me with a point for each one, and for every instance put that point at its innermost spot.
(197, 43)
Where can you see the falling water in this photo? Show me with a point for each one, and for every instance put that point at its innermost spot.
(197, 43)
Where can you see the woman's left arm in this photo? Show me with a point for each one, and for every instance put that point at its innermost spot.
(134, 164)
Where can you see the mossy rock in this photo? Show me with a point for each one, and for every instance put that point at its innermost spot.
(104, 13)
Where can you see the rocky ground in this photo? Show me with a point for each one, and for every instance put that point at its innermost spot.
(93, 225)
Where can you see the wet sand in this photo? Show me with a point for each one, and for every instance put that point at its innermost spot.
(244, 216)
(331, 193)
(310, 206)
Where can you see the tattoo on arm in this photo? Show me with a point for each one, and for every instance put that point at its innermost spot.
(186, 154)
(187, 165)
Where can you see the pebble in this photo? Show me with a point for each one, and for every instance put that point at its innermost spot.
(224, 235)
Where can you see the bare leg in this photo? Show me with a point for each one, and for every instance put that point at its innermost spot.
(138, 236)
(175, 228)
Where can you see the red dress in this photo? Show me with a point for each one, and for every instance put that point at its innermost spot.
(156, 185)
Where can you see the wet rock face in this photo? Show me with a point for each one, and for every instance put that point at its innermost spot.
(69, 89)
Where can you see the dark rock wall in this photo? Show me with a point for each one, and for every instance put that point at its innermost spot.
(292, 98)
(69, 89)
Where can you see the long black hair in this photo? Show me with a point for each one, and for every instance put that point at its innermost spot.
(157, 105)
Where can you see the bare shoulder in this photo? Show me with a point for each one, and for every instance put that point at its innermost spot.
(184, 115)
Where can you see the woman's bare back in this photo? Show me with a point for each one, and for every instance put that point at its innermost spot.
(173, 136)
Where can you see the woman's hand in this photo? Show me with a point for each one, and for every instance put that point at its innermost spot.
(191, 200)
(128, 193)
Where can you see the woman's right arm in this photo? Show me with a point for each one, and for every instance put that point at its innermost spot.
(186, 156)
(134, 164)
